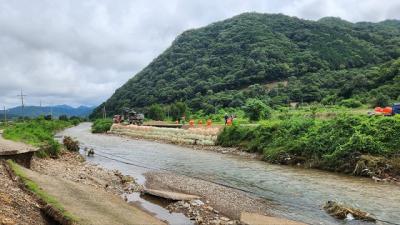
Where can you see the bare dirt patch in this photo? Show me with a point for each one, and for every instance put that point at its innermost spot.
(71, 166)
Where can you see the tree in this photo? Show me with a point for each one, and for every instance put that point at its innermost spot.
(63, 117)
(256, 109)
(156, 112)
(381, 100)
(178, 110)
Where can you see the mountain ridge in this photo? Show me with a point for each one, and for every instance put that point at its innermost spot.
(213, 62)
(57, 110)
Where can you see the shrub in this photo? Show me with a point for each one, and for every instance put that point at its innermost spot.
(50, 148)
(71, 144)
(101, 125)
(256, 109)
(63, 117)
(350, 103)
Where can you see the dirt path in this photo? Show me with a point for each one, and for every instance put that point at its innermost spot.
(91, 206)
(8, 147)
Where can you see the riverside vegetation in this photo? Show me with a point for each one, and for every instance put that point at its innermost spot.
(39, 132)
(362, 145)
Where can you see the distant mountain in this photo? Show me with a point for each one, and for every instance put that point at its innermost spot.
(227, 62)
(58, 110)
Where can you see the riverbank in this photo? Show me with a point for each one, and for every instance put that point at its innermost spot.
(71, 167)
(298, 193)
(119, 130)
(87, 193)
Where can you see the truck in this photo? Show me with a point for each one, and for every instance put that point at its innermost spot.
(134, 118)
(129, 116)
(396, 109)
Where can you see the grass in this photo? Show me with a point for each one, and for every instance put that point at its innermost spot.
(33, 187)
(38, 132)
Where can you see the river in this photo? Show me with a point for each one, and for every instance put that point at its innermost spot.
(295, 193)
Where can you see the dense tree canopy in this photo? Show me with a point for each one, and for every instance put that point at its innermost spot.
(275, 58)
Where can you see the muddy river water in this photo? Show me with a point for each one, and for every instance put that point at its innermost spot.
(294, 193)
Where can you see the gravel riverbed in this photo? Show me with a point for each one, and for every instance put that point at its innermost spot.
(225, 200)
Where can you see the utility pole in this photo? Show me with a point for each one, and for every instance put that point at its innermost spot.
(104, 112)
(22, 103)
(5, 116)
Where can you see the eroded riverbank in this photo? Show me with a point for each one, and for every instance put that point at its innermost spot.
(295, 193)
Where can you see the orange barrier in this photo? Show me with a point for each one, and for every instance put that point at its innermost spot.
(387, 110)
(209, 123)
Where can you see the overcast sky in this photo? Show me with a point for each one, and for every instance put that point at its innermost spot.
(79, 52)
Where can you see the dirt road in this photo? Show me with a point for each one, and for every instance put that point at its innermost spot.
(91, 206)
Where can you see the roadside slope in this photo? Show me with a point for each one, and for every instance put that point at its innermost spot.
(91, 206)
(17, 206)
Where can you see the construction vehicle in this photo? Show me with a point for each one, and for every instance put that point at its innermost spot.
(396, 109)
(134, 117)
(388, 111)
(129, 116)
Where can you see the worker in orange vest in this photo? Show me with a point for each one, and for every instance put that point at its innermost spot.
(229, 121)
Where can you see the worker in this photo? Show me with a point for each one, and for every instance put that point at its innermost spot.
(226, 117)
(229, 121)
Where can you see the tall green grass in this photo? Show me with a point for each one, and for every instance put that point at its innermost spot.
(334, 144)
(38, 132)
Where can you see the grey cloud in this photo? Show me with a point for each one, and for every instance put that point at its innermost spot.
(78, 52)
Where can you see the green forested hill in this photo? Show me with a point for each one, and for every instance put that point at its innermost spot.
(276, 58)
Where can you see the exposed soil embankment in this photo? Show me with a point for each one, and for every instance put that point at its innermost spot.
(71, 166)
(196, 136)
(17, 206)
(183, 137)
